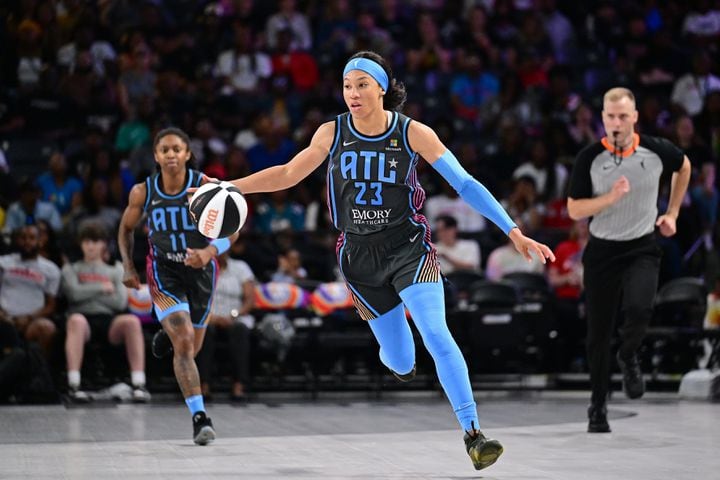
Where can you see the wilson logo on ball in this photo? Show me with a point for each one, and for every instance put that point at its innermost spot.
(218, 209)
(209, 224)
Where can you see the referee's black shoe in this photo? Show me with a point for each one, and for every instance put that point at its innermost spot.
(633, 382)
(483, 451)
(161, 344)
(203, 431)
(597, 419)
(405, 377)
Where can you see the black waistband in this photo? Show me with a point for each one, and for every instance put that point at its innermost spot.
(635, 242)
(387, 236)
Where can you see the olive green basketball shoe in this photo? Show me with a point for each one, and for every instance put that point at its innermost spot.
(483, 451)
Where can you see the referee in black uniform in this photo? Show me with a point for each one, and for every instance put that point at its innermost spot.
(615, 182)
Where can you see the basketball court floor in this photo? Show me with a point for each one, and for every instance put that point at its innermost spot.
(401, 436)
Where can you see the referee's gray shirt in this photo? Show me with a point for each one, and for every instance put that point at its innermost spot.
(596, 169)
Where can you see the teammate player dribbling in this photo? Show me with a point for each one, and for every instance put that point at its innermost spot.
(181, 265)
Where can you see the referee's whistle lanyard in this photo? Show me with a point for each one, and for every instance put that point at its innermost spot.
(617, 159)
(616, 152)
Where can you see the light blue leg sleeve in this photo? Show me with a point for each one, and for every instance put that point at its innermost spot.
(392, 331)
(426, 303)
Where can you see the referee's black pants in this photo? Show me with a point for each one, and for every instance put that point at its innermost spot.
(615, 271)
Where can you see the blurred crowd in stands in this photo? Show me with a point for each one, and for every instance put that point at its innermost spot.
(513, 87)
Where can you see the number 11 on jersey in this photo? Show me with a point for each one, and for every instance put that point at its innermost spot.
(174, 240)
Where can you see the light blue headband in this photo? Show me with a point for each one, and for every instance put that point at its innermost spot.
(370, 67)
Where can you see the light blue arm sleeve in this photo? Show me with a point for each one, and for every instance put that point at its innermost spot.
(472, 191)
(222, 245)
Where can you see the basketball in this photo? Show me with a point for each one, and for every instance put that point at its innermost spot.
(218, 209)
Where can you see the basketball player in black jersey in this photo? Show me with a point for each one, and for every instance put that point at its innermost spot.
(181, 264)
(384, 248)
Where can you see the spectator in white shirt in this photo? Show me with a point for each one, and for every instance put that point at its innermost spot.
(290, 268)
(230, 317)
(550, 177)
(505, 259)
(28, 287)
(690, 90)
(297, 22)
(85, 38)
(243, 68)
(448, 202)
(454, 253)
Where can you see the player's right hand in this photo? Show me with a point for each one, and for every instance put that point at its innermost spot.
(526, 246)
(131, 279)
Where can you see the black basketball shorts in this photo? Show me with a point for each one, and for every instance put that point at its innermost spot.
(176, 287)
(378, 266)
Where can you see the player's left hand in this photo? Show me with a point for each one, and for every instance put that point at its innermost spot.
(197, 257)
(526, 246)
(666, 224)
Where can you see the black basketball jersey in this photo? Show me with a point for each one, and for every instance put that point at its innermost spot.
(372, 182)
(171, 228)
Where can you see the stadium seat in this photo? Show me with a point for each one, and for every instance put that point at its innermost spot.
(458, 288)
(496, 337)
(674, 339)
(537, 311)
(681, 303)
